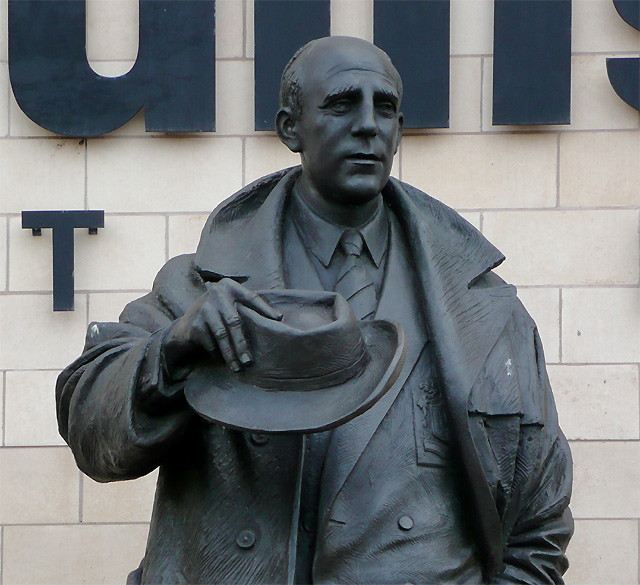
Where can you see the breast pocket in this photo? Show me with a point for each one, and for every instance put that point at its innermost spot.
(430, 423)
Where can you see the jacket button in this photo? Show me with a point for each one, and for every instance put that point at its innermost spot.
(259, 438)
(246, 539)
(405, 522)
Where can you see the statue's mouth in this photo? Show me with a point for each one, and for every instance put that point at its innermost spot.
(364, 157)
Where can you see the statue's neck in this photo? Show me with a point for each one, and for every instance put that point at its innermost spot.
(334, 211)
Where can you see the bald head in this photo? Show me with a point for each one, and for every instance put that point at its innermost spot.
(351, 50)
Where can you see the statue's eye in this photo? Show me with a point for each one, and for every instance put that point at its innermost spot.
(340, 106)
(386, 107)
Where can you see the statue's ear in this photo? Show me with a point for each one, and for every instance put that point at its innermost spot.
(287, 128)
(399, 133)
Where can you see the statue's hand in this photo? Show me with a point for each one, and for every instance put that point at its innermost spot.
(213, 323)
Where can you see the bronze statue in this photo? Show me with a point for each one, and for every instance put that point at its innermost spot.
(447, 465)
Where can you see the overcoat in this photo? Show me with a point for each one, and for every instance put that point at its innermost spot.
(226, 501)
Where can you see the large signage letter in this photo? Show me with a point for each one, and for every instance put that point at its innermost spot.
(173, 77)
(62, 223)
(416, 37)
(282, 27)
(624, 74)
(532, 62)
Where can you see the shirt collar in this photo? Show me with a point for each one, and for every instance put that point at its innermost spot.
(321, 237)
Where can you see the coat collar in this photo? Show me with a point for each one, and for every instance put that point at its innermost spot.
(226, 251)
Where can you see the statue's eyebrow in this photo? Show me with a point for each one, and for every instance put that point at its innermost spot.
(391, 95)
(348, 91)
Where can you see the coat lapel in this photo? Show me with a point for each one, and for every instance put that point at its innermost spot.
(242, 238)
(464, 324)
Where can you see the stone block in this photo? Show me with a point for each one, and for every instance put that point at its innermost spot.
(112, 30)
(112, 68)
(126, 254)
(229, 29)
(118, 501)
(2, 394)
(4, 246)
(475, 172)
(33, 336)
(102, 261)
(30, 258)
(352, 18)
(465, 114)
(184, 233)
(599, 169)
(266, 154)
(30, 409)
(471, 27)
(543, 304)
(606, 476)
(162, 174)
(234, 97)
(597, 27)
(472, 217)
(594, 103)
(73, 555)
(4, 36)
(566, 247)
(38, 485)
(600, 325)
(4, 99)
(249, 27)
(41, 174)
(106, 307)
(597, 402)
(603, 552)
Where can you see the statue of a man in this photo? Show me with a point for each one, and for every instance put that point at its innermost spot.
(459, 474)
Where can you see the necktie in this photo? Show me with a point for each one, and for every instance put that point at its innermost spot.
(354, 282)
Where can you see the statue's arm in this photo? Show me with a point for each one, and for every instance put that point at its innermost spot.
(120, 405)
(542, 522)
(116, 409)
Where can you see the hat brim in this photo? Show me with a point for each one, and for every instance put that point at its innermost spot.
(223, 397)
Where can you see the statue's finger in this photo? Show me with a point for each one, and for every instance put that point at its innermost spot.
(233, 325)
(223, 339)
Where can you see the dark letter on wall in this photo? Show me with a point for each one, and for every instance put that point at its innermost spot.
(624, 74)
(173, 77)
(62, 223)
(532, 62)
(281, 27)
(416, 37)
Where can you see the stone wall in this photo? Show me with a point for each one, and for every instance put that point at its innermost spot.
(563, 203)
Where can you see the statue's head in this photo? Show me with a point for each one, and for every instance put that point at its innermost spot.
(340, 109)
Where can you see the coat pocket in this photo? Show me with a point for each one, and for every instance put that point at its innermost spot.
(496, 437)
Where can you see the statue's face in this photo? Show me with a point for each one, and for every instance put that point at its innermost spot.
(350, 124)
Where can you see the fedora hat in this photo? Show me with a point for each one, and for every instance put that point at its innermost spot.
(316, 369)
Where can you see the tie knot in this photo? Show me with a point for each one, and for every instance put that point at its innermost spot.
(351, 242)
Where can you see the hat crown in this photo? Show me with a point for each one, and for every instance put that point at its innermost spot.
(317, 344)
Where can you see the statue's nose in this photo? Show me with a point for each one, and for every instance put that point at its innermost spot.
(365, 123)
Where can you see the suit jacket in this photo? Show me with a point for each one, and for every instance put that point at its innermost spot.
(224, 500)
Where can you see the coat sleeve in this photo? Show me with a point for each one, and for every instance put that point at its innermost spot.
(538, 522)
(115, 407)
